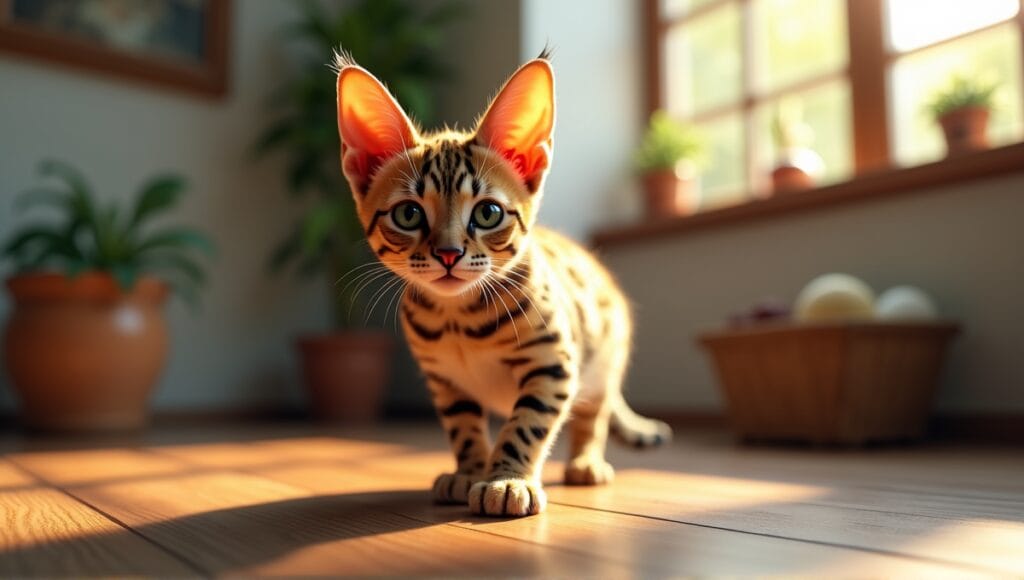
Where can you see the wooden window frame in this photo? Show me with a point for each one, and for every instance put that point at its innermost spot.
(870, 60)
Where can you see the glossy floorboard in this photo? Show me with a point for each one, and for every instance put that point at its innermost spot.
(299, 500)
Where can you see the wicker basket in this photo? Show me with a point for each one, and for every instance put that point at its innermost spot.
(845, 383)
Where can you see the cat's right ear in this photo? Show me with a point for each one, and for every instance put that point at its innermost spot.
(372, 125)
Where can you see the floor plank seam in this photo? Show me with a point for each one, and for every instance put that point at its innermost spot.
(170, 552)
(557, 548)
(900, 555)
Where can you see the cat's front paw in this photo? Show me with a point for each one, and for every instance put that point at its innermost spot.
(453, 488)
(512, 497)
(588, 471)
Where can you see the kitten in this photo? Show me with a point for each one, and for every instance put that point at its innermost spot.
(502, 315)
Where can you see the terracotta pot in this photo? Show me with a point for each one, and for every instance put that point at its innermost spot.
(666, 194)
(345, 374)
(81, 353)
(787, 178)
(965, 130)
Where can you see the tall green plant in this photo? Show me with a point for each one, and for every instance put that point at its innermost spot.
(114, 238)
(398, 41)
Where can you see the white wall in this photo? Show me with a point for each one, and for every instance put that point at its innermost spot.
(599, 87)
(237, 351)
(962, 243)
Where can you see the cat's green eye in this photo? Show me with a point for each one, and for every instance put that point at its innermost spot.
(487, 214)
(408, 215)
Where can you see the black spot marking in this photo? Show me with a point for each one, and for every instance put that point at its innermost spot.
(420, 330)
(502, 319)
(522, 435)
(556, 372)
(539, 432)
(545, 339)
(519, 219)
(373, 222)
(511, 451)
(453, 433)
(532, 402)
(463, 406)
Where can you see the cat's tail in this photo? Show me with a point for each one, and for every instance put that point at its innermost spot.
(635, 431)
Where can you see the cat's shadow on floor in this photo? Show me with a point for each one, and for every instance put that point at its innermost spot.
(239, 538)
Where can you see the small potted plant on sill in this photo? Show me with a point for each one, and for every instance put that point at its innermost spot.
(797, 167)
(346, 370)
(667, 161)
(87, 340)
(962, 109)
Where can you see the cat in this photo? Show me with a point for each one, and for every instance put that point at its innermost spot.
(501, 314)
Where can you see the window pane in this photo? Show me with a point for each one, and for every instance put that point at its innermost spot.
(703, 62)
(723, 177)
(797, 39)
(915, 78)
(916, 23)
(677, 8)
(826, 110)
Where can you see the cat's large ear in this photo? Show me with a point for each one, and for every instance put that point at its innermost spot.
(521, 120)
(372, 125)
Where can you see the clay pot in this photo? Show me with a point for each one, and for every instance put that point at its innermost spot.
(796, 170)
(669, 193)
(345, 374)
(787, 178)
(965, 130)
(82, 354)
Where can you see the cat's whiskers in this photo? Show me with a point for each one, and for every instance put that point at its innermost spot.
(355, 269)
(380, 294)
(526, 292)
(364, 286)
(363, 275)
(511, 318)
(400, 295)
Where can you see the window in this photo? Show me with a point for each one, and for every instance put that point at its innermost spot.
(857, 74)
(982, 40)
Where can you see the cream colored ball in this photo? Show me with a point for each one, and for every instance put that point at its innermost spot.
(835, 297)
(905, 303)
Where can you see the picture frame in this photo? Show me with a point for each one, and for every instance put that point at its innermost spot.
(175, 44)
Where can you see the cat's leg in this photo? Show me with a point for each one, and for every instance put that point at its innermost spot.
(591, 416)
(512, 486)
(588, 437)
(465, 424)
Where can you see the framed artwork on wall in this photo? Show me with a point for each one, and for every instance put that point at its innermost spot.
(176, 44)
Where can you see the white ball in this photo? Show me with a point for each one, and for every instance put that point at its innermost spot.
(905, 303)
(835, 297)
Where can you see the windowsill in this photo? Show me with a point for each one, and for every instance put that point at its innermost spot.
(875, 185)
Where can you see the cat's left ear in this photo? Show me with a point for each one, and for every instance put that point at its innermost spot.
(520, 122)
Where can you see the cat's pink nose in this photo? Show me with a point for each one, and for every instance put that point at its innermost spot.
(448, 256)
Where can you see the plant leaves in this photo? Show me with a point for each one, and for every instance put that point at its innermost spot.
(176, 238)
(159, 194)
(173, 262)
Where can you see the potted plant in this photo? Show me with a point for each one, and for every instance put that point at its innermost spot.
(346, 370)
(667, 161)
(797, 166)
(962, 110)
(86, 340)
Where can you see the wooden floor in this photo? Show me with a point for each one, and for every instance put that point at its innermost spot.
(294, 500)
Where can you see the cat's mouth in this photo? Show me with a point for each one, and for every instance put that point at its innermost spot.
(450, 283)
